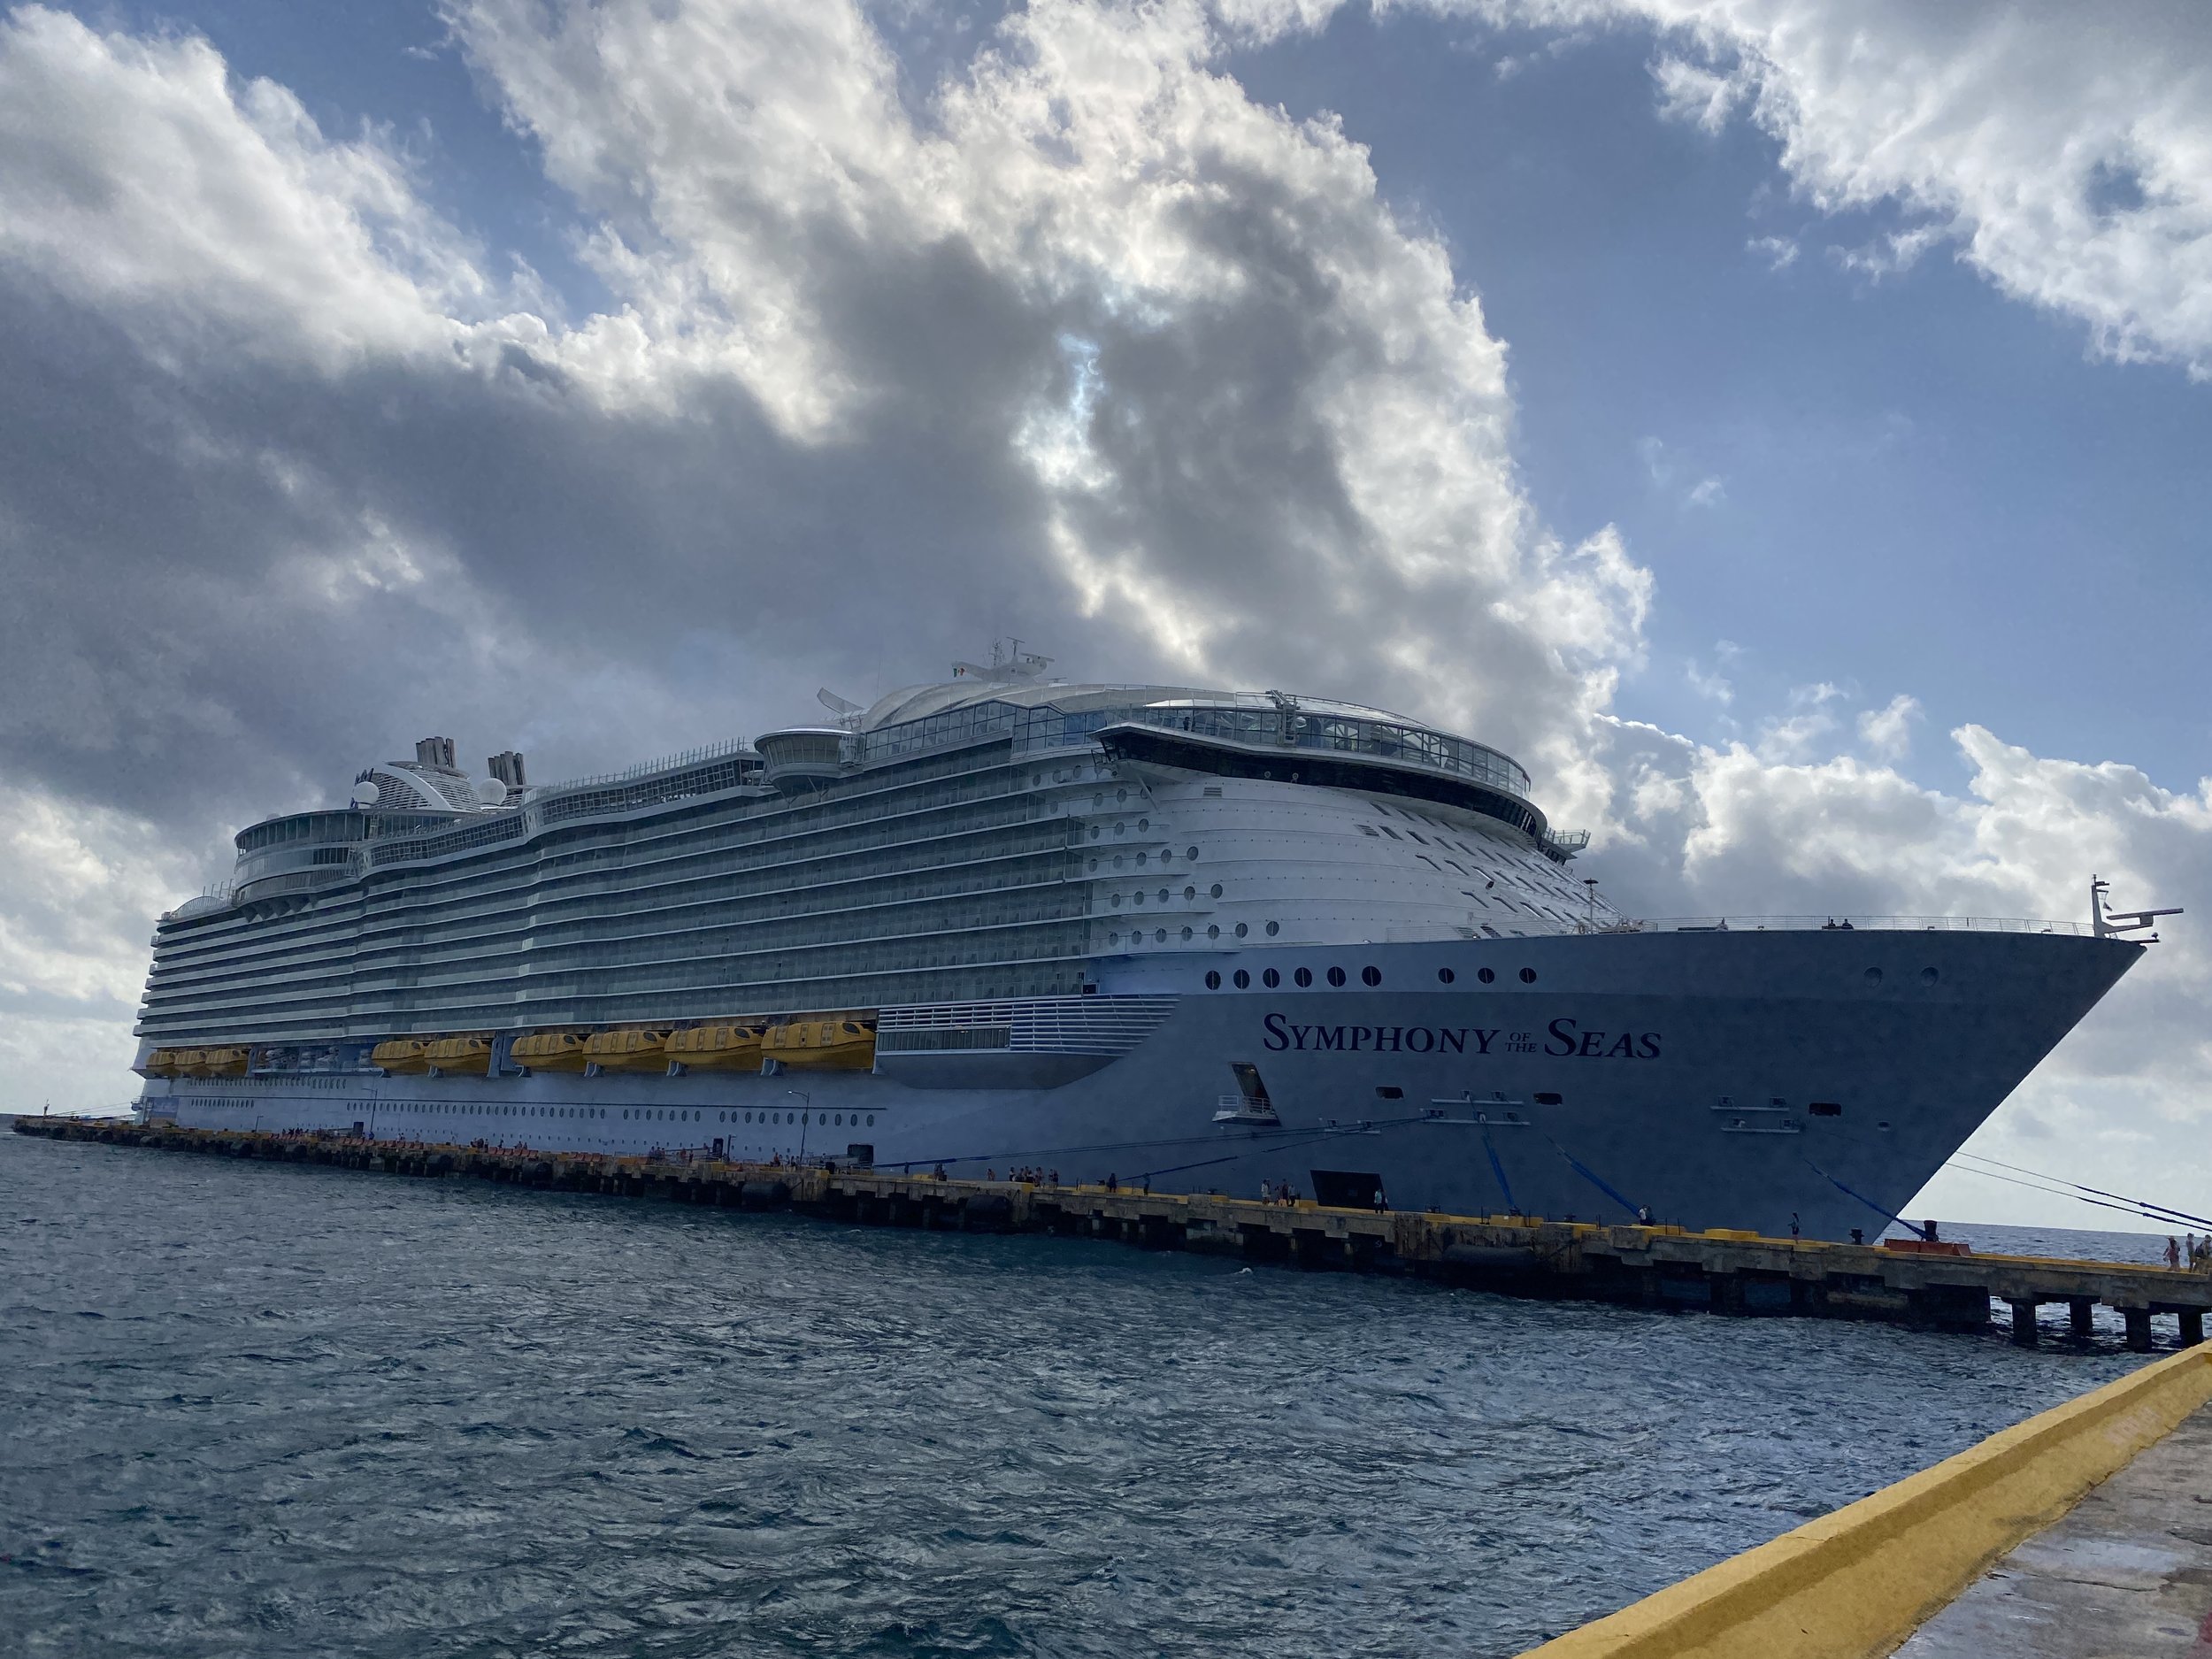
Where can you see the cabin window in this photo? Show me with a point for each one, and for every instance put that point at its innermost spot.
(1243, 980)
(1336, 976)
(1271, 979)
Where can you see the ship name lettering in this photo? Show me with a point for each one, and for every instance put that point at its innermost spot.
(1566, 1042)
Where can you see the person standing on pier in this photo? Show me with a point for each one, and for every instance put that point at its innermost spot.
(2173, 1253)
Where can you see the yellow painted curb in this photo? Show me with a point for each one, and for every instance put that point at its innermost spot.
(1855, 1583)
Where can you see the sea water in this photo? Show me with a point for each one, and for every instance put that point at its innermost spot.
(267, 1409)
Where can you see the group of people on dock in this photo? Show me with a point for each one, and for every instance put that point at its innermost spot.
(1025, 1176)
(2196, 1252)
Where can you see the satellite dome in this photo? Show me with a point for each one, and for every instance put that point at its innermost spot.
(490, 791)
(365, 793)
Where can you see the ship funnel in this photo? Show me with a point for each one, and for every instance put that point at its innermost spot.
(507, 767)
(435, 752)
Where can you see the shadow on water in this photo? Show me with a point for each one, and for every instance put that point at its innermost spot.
(320, 1411)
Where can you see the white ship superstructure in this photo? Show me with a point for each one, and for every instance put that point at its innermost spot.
(1197, 938)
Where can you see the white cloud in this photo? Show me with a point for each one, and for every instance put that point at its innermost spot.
(1886, 732)
(1706, 492)
(1712, 684)
(1780, 252)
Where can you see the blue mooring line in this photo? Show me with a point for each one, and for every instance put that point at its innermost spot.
(1592, 1176)
(1498, 1170)
(1862, 1197)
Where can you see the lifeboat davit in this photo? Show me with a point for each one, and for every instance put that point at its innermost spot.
(841, 1042)
(549, 1051)
(730, 1048)
(164, 1063)
(628, 1050)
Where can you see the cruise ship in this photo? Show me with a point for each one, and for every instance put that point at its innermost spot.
(1190, 939)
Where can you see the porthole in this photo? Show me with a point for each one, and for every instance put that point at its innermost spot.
(1117, 861)
(1190, 852)
(1099, 798)
(1190, 892)
(1873, 976)
(1486, 974)
(1120, 828)
(1141, 861)
(1370, 975)
(1186, 935)
(1303, 977)
(1137, 897)
(1274, 928)
(1929, 976)
(1115, 901)
(1159, 935)
(1121, 795)
(1243, 980)
(1528, 975)
(1336, 976)
(1144, 824)
(626, 1117)
(1164, 895)
(1242, 930)
(1213, 980)
(1213, 930)
(872, 1120)
(1445, 976)
(1094, 832)
(1271, 979)
(1113, 939)
(1094, 866)
(1215, 889)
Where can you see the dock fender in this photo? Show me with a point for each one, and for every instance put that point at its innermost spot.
(987, 1213)
(764, 1194)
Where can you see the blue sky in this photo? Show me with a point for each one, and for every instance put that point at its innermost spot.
(1728, 401)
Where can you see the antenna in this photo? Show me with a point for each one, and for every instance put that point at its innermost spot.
(2119, 923)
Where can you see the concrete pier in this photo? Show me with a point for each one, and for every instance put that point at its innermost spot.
(2128, 1570)
(1720, 1272)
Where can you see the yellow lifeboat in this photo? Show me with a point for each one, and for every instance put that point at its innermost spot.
(716, 1048)
(401, 1054)
(164, 1063)
(628, 1050)
(471, 1055)
(841, 1042)
(225, 1062)
(549, 1051)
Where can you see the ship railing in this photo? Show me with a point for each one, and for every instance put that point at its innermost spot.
(1845, 922)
